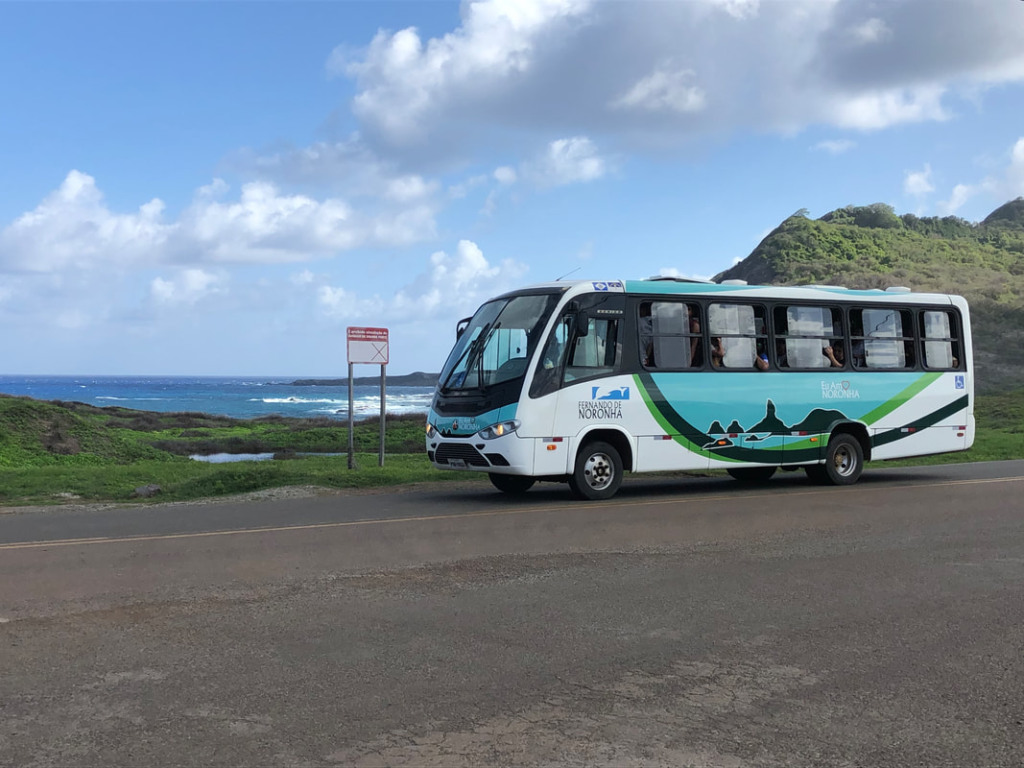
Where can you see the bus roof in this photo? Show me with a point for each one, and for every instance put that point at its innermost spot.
(661, 286)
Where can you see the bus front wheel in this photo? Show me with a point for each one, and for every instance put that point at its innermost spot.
(513, 485)
(844, 460)
(598, 472)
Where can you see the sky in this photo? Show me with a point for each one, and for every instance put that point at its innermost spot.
(200, 188)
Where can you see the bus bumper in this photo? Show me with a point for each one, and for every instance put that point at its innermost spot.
(506, 455)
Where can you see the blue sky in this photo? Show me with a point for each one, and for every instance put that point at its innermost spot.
(222, 188)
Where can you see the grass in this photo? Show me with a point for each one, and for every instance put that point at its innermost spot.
(52, 452)
(184, 480)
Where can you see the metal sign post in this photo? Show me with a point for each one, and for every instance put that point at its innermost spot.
(369, 346)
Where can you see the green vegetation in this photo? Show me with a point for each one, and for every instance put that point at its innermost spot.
(53, 451)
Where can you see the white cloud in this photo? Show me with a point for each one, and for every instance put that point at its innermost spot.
(835, 146)
(918, 183)
(1005, 185)
(739, 9)
(187, 287)
(653, 75)
(1012, 185)
(72, 320)
(340, 304)
(305, 277)
(567, 161)
(881, 109)
(404, 80)
(673, 272)
(450, 285)
(871, 31)
(74, 228)
(505, 175)
(960, 195)
(666, 89)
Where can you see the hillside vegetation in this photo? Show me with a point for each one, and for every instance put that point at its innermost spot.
(872, 247)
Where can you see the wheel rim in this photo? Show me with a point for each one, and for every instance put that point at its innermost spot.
(599, 471)
(844, 461)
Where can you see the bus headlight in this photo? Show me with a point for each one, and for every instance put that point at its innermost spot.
(499, 429)
(430, 431)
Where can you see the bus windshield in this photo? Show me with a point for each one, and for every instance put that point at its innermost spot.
(497, 344)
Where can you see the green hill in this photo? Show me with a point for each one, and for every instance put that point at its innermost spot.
(872, 247)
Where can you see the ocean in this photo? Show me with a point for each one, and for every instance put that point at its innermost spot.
(241, 397)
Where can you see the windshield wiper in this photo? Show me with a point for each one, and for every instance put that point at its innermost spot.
(470, 356)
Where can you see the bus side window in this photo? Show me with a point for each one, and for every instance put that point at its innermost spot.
(941, 346)
(669, 334)
(809, 337)
(597, 353)
(882, 338)
(738, 336)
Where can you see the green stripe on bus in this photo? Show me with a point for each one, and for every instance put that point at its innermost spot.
(899, 399)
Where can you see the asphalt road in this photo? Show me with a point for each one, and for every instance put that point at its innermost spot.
(685, 622)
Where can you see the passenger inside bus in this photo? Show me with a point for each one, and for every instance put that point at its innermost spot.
(835, 354)
(761, 357)
(717, 352)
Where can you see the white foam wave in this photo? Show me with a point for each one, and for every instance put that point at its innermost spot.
(130, 399)
(299, 400)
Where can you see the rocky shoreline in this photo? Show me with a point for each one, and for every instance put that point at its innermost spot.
(416, 379)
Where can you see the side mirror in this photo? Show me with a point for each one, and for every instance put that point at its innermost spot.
(461, 326)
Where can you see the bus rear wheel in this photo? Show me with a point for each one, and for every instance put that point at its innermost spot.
(598, 472)
(513, 485)
(752, 474)
(844, 460)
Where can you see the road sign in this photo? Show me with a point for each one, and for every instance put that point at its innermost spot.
(368, 345)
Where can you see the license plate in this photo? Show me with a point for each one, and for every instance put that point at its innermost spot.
(457, 463)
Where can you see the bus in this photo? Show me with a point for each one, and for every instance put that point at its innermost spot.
(579, 382)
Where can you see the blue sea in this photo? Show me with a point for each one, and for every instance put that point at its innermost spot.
(241, 397)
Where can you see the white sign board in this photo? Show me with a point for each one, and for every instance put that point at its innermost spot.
(368, 345)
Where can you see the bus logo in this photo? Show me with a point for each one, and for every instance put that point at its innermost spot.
(606, 393)
(612, 285)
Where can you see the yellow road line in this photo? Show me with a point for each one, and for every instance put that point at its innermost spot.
(676, 500)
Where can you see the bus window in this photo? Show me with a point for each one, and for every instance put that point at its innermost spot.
(570, 355)
(552, 360)
(597, 353)
(738, 336)
(669, 334)
(805, 335)
(882, 338)
(940, 343)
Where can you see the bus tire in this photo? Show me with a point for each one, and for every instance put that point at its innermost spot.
(598, 472)
(752, 474)
(512, 485)
(844, 459)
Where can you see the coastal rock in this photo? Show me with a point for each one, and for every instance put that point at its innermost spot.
(146, 491)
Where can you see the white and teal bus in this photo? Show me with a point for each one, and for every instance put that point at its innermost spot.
(579, 382)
